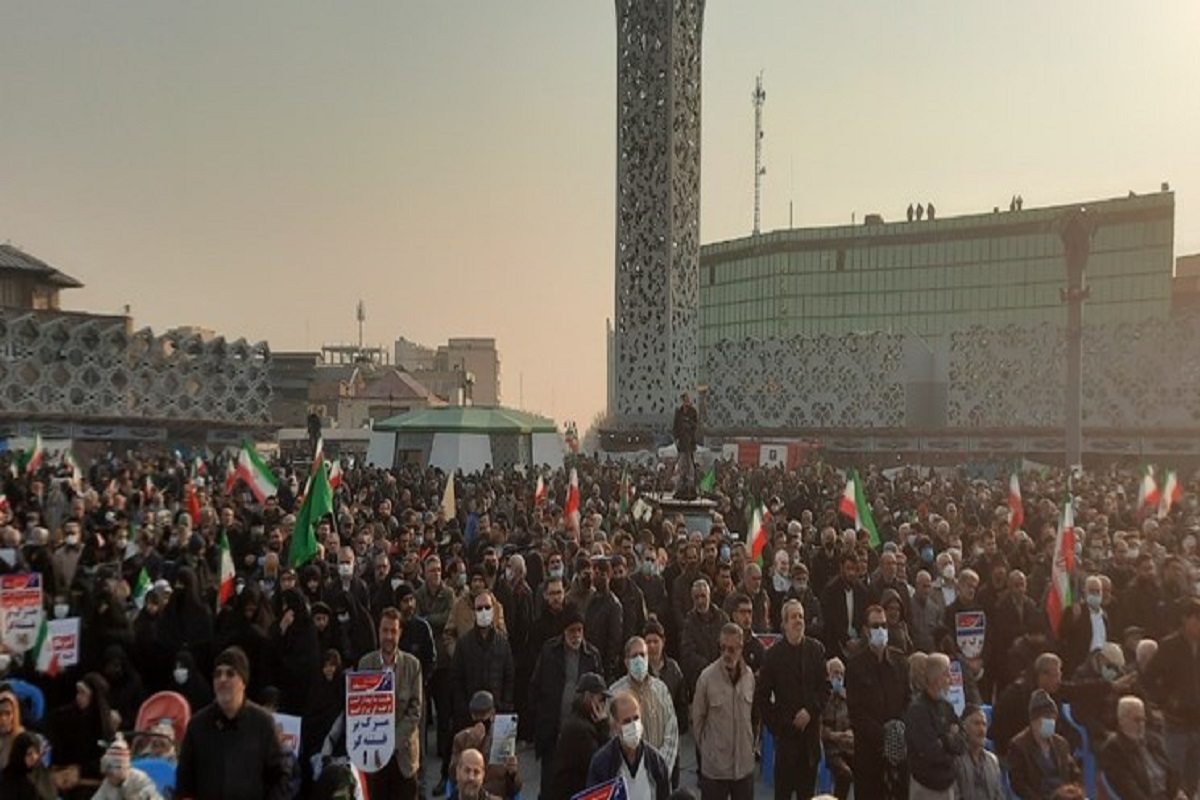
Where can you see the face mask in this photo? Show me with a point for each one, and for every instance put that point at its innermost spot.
(927, 555)
(638, 668)
(912, 539)
(346, 570)
(343, 618)
(395, 583)
(1108, 673)
(648, 567)
(1134, 552)
(800, 586)
(508, 574)
(879, 638)
(724, 553)
(838, 684)
(461, 579)
(180, 675)
(1046, 727)
(238, 587)
(483, 618)
(61, 610)
(781, 583)
(556, 573)
(631, 733)
(72, 540)
(948, 572)
(1094, 600)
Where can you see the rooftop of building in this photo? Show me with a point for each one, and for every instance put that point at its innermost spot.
(14, 258)
(995, 223)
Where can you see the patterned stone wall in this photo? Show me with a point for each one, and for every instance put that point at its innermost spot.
(658, 207)
(81, 366)
(1135, 376)
(1138, 375)
(853, 381)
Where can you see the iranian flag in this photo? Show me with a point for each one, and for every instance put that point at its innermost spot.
(76, 479)
(854, 505)
(198, 467)
(231, 476)
(254, 471)
(141, 588)
(571, 508)
(335, 473)
(1059, 597)
(626, 494)
(43, 652)
(757, 534)
(193, 502)
(1148, 494)
(1016, 511)
(539, 494)
(1172, 493)
(36, 456)
(225, 580)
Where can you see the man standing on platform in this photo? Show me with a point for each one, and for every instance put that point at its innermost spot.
(686, 430)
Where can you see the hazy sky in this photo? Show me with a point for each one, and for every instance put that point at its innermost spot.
(257, 167)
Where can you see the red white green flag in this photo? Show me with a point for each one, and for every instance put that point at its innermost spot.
(1172, 493)
(854, 505)
(45, 659)
(1059, 597)
(1148, 493)
(257, 475)
(1016, 511)
(225, 583)
(757, 534)
(36, 456)
(571, 508)
(539, 493)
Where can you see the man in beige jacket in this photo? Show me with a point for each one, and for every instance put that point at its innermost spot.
(398, 778)
(722, 722)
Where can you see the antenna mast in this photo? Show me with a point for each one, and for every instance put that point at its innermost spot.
(760, 98)
(361, 315)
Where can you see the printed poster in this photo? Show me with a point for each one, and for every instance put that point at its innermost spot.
(958, 695)
(970, 627)
(20, 610)
(370, 718)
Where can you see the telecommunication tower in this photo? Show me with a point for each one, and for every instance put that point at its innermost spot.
(361, 315)
(760, 98)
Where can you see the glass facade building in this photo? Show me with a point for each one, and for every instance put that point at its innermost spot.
(935, 277)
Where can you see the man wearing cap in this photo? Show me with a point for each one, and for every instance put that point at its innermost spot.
(398, 778)
(501, 779)
(231, 749)
(1172, 681)
(583, 731)
(1039, 760)
(552, 689)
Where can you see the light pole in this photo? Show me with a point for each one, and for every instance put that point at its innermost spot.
(1075, 228)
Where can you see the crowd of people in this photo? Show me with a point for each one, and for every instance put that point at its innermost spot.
(925, 665)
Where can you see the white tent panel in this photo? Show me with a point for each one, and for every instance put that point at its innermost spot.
(470, 452)
(548, 449)
(381, 449)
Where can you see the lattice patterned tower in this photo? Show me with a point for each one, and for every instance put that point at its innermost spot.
(658, 208)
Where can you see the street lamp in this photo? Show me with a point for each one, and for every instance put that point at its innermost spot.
(1075, 228)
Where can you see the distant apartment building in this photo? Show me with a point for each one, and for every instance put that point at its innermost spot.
(463, 371)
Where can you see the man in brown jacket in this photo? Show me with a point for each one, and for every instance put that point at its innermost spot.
(723, 724)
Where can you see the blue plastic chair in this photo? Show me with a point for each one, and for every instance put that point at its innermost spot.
(33, 701)
(768, 757)
(824, 775)
(159, 770)
(1107, 792)
(1084, 754)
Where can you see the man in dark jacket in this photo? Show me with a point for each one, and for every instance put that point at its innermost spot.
(583, 732)
(633, 603)
(791, 693)
(1039, 760)
(844, 606)
(877, 694)
(686, 429)
(1129, 753)
(605, 618)
(701, 633)
(552, 690)
(932, 736)
(627, 756)
(482, 661)
(1172, 681)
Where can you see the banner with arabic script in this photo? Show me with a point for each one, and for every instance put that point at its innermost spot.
(370, 718)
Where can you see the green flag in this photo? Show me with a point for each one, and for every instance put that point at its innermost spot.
(317, 503)
(623, 504)
(141, 588)
(709, 481)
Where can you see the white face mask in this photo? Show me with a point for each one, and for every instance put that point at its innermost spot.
(395, 583)
(180, 675)
(346, 570)
(483, 618)
(61, 610)
(879, 638)
(782, 582)
(631, 733)
(73, 539)
(948, 572)
(638, 668)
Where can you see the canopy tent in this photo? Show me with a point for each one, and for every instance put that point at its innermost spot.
(467, 438)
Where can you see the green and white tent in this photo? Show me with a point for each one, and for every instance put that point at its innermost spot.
(467, 438)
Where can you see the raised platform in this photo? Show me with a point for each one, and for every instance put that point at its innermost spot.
(696, 513)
